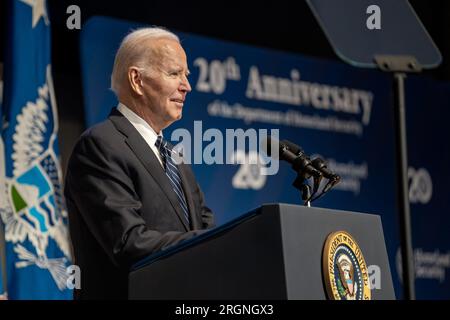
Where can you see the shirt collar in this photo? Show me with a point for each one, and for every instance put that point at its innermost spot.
(133, 117)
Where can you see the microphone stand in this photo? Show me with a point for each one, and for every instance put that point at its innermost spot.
(306, 195)
(304, 188)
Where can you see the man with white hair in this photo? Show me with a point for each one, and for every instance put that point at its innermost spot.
(127, 198)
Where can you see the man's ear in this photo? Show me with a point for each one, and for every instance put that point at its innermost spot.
(135, 80)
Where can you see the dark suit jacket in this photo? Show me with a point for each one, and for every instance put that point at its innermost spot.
(122, 206)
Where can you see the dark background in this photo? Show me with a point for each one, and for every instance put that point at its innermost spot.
(288, 26)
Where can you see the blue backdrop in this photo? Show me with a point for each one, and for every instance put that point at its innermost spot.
(339, 112)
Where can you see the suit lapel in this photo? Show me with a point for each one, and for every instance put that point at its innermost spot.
(147, 157)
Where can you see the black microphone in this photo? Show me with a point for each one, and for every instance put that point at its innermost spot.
(317, 163)
(320, 165)
(296, 149)
(299, 161)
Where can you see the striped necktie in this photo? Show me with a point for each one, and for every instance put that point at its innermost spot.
(172, 173)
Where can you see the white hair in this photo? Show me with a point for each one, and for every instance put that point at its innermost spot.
(135, 50)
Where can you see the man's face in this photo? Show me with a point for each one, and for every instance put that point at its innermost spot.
(166, 86)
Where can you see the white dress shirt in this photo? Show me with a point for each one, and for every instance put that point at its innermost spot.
(144, 129)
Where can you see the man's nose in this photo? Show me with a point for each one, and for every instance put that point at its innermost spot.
(185, 85)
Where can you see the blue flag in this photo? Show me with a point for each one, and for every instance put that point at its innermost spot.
(32, 206)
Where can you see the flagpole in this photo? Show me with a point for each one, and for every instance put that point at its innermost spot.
(2, 194)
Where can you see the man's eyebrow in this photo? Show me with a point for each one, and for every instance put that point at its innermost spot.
(179, 69)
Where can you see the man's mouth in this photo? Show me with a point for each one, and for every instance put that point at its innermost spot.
(179, 102)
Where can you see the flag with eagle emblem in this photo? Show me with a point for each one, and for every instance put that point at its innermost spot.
(31, 201)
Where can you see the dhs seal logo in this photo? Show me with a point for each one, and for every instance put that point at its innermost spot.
(344, 268)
